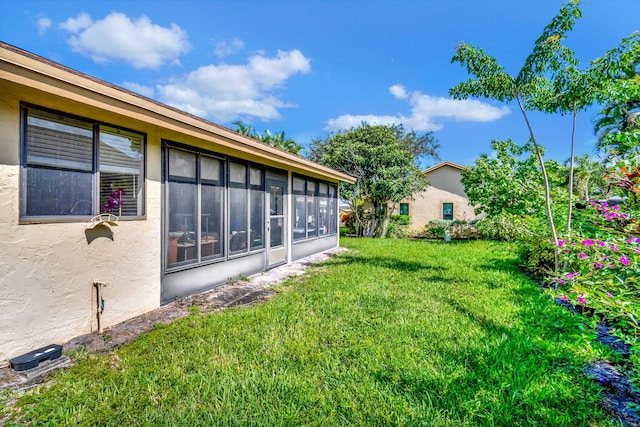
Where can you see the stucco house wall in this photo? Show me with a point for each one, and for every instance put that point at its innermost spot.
(48, 268)
(445, 187)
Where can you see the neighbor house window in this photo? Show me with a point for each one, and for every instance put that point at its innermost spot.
(447, 211)
(404, 208)
(314, 208)
(77, 167)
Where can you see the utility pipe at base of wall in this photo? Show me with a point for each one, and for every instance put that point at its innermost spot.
(99, 302)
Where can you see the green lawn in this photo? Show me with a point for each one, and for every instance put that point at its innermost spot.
(392, 333)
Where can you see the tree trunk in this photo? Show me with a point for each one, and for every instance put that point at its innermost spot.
(382, 220)
(571, 159)
(547, 192)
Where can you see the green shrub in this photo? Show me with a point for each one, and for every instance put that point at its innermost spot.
(398, 226)
(538, 258)
(509, 227)
(458, 230)
(433, 230)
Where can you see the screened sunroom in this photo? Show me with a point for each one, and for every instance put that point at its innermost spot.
(226, 217)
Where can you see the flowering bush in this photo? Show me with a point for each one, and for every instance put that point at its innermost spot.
(601, 270)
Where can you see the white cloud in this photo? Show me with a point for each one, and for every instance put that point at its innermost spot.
(225, 48)
(147, 91)
(44, 24)
(348, 121)
(139, 43)
(75, 25)
(398, 91)
(226, 92)
(427, 112)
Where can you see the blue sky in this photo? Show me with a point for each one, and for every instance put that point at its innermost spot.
(309, 67)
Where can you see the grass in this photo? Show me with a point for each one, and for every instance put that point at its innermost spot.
(392, 333)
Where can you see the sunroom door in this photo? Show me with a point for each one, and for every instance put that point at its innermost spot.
(276, 242)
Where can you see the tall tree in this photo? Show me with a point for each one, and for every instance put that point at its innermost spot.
(492, 81)
(384, 161)
(569, 90)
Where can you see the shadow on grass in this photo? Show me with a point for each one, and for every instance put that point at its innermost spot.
(511, 375)
(385, 262)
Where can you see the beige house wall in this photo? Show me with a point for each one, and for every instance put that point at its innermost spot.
(445, 187)
(47, 269)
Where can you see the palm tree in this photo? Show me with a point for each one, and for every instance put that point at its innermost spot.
(277, 140)
(621, 114)
(588, 175)
(243, 129)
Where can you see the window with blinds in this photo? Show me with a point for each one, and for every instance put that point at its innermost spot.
(75, 167)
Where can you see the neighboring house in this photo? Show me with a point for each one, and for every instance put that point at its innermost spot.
(197, 204)
(443, 199)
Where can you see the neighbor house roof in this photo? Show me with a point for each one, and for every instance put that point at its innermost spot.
(25, 68)
(441, 164)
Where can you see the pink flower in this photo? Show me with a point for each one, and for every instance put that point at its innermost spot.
(558, 281)
(587, 242)
(572, 275)
(560, 243)
(581, 299)
(637, 250)
(564, 298)
(609, 294)
(597, 265)
(614, 248)
(624, 260)
(582, 255)
(601, 243)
